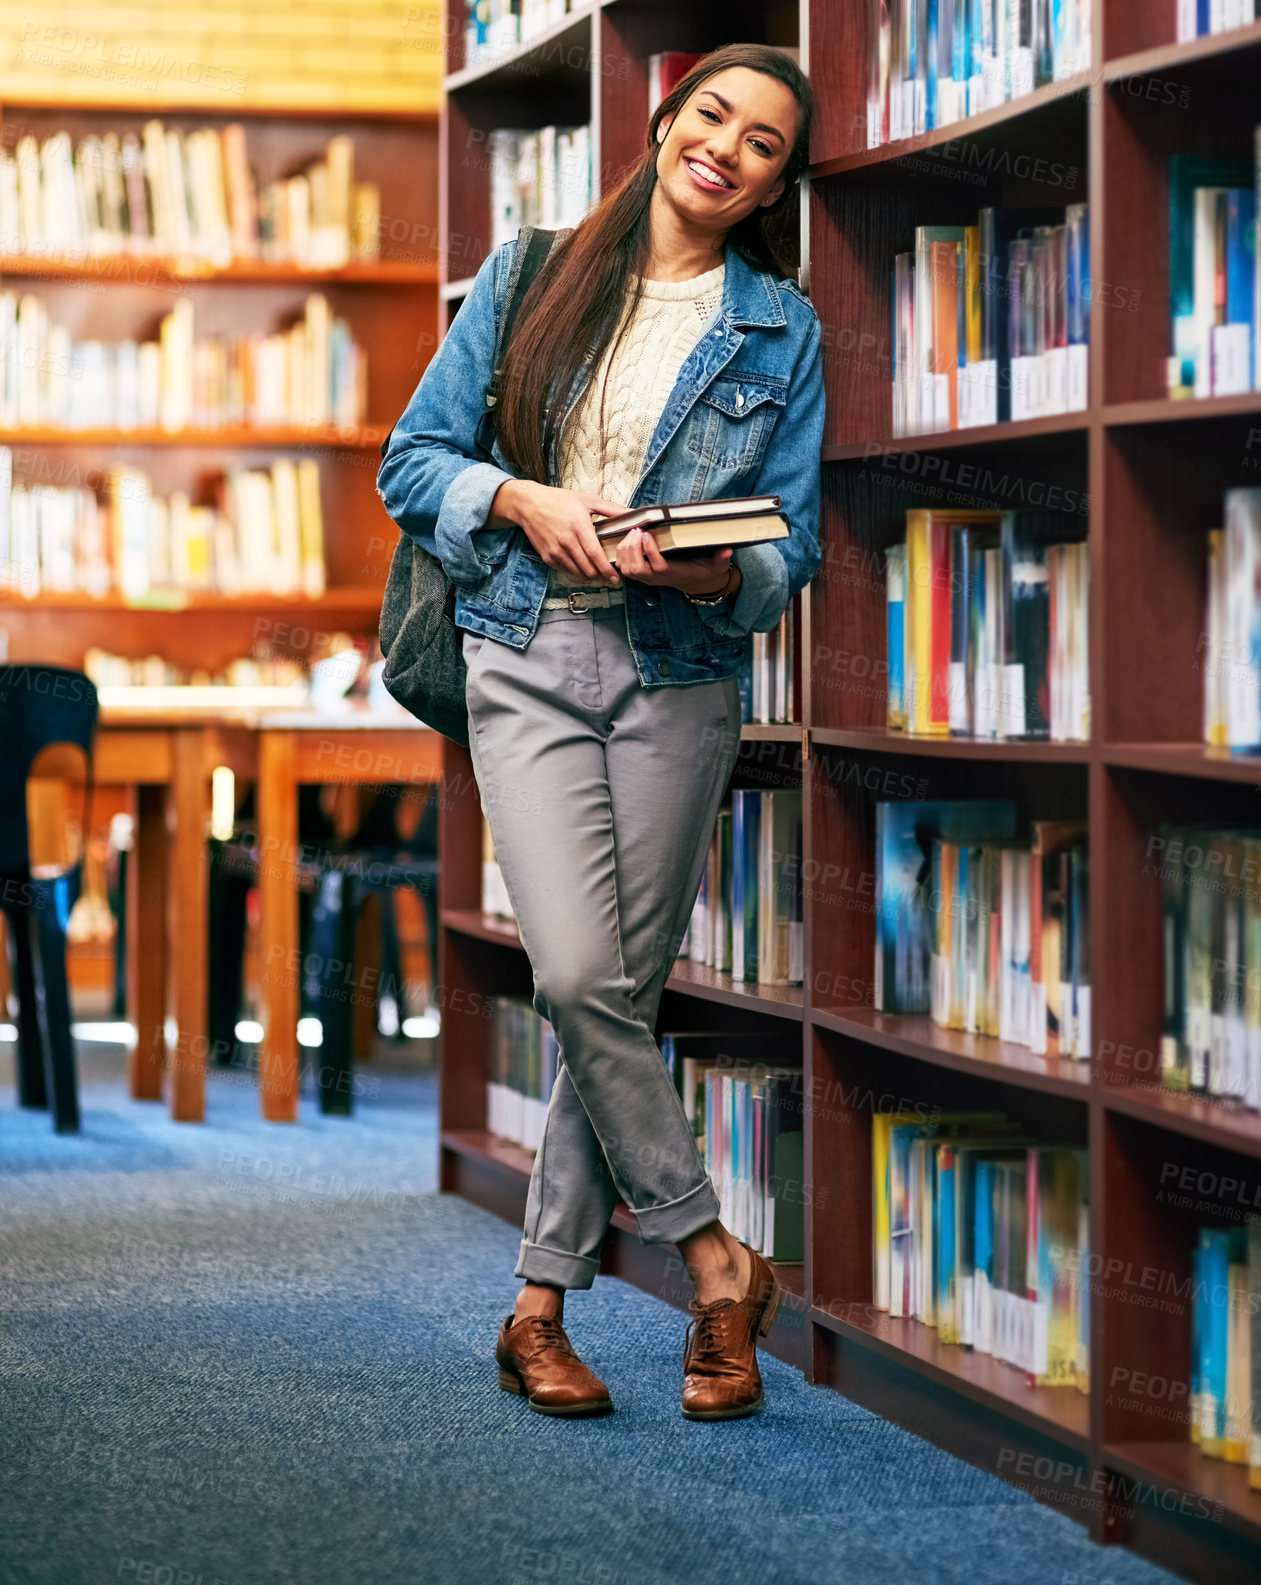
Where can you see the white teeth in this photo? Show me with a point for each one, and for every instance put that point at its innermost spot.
(710, 173)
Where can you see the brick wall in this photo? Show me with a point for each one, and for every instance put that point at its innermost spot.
(297, 54)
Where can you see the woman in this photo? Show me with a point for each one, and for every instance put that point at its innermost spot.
(603, 706)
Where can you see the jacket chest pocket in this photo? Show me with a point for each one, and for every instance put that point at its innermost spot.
(732, 421)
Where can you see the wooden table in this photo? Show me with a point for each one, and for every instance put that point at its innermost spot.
(298, 748)
(170, 756)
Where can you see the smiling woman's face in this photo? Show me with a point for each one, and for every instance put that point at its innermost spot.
(723, 151)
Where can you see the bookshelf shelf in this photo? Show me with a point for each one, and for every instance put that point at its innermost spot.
(1235, 44)
(1162, 411)
(1151, 474)
(142, 269)
(981, 1055)
(360, 602)
(1046, 104)
(537, 60)
(1215, 1121)
(984, 437)
(694, 979)
(240, 437)
(1186, 759)
(1178, 1468)
(1058, 1412)
(875, 742)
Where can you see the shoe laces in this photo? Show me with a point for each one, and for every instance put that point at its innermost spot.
(706, 1331)
(549, 1333)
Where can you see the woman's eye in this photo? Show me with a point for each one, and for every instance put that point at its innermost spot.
(706, 112)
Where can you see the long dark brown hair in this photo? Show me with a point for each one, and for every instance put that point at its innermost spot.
(579, 296)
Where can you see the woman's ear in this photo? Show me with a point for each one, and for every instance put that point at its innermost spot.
(664, 128)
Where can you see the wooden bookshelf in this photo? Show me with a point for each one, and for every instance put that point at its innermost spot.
(391, 306)
(1148, 475)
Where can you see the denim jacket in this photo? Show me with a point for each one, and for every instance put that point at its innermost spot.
(745, 417)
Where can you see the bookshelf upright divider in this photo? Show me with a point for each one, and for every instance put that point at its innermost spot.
(1144, 476)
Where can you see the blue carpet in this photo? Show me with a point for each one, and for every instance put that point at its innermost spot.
(247, 1354)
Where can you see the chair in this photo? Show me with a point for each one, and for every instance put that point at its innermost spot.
(378, 862)
(41, 706)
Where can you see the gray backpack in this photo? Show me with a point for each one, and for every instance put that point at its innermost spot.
(424, 665)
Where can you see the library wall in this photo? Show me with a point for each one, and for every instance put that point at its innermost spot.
(271, 54)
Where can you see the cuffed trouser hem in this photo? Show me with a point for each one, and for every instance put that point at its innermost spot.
(537, 1263)
(666, 1224)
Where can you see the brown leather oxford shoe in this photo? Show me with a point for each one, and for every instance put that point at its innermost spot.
(721, 1380)
(537, 1360)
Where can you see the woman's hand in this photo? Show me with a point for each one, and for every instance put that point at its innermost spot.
(558, 524)
(639, 558)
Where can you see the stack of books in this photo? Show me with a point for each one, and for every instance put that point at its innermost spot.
(176, 194)
(1226, 1346)
(932, 62)
(314, 374)
(538, 177)
(743, 1095)
(523, 1057)
(1210, 880)
(265, 534)
(984, 931)
(992, 321)
(1229, 648)
(983, 1234)
(1214, 275)
(1197, 19)
(988, 620)
(747, 919)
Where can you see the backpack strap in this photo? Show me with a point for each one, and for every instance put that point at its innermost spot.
(527, 262)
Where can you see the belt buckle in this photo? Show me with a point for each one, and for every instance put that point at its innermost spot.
(590, 598)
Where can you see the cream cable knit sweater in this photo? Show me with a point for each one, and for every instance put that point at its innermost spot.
(667, 325)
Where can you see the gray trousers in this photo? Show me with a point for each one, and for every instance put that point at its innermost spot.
(601, 797)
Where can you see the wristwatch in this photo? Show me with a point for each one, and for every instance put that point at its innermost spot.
(722, 595)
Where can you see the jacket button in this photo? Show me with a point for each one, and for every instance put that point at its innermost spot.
(664, 667)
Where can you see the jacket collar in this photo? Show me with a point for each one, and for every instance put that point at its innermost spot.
(749, 295)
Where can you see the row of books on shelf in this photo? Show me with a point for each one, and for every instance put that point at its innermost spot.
(154, 671)
(984, 930)
(991, 322)
(747, 918)
(932, 62)
(745, 1110)
(1197, 19)
(983, 1234)
(313, 374)
(1210, 886)
(538, 177)
(1229, 653)
(766, 675)
(492, 26)
(748, 1115)
(1225, 1385)
(179, 194)
(988, 617)
(265, 533)
(523, 1061)
(1214, 274)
